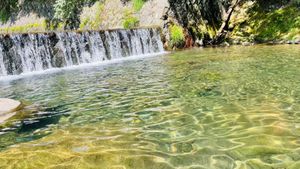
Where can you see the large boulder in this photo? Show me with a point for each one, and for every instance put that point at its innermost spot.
(8, 108)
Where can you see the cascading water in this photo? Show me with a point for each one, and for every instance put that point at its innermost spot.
(23, 53)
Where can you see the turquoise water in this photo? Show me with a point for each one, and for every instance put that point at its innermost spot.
(218, 108)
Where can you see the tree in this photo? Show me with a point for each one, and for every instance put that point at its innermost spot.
(211, 20)
(214, 15)
(68, 11)
(226, 16)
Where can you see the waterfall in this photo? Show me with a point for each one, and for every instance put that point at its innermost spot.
(23, 53)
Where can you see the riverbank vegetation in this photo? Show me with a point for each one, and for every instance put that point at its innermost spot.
(67, 14)
(216, 22)
(177, 36)
(278, 24)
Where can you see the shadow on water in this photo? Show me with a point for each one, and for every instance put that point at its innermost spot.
(29, 124)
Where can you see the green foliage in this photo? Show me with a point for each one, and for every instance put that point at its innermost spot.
(138, 4)
(6, 8)
(64, 9)
(296, 2)
(177, 35)
(275, 20)
(131, 22)
(276, 24)
(264, 19)
(68, 11)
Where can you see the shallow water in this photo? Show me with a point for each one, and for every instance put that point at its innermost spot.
(221, 108)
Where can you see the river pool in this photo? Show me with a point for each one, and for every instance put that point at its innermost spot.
(212, 108)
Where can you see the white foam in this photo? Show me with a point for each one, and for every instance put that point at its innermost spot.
(81, 66)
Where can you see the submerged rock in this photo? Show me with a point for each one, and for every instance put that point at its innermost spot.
(7, 108)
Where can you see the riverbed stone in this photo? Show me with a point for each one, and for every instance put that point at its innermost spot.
(8, 105)
(246, 44)
(7, 108)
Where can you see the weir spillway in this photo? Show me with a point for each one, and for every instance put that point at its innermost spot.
(30, 52)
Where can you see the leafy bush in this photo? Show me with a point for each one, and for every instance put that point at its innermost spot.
(131, 22)
(177, 35)
(64, 9)
(68, 11)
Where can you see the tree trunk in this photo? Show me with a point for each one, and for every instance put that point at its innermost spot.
(223, 30)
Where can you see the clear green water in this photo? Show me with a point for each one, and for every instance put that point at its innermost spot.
(226, 108)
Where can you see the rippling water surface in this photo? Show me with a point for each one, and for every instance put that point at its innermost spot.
(225, 108)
